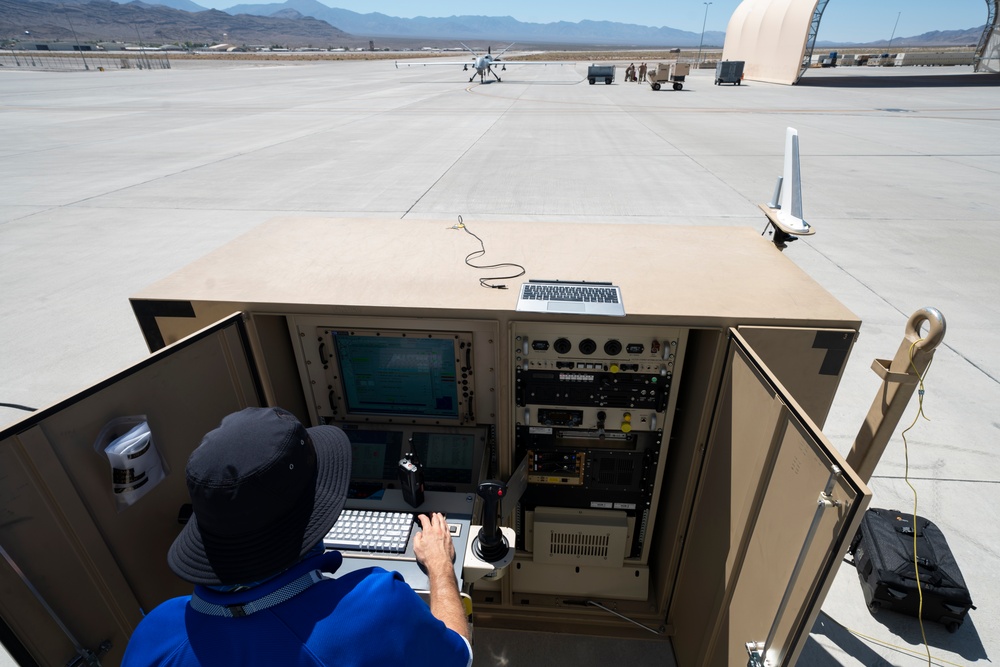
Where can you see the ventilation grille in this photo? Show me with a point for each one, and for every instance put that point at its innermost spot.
(615, 471)
(586, 545)
(579, 536)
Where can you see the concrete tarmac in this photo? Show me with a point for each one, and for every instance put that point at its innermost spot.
(112, 180)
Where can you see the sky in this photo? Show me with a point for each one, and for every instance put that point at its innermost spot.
(843, 20)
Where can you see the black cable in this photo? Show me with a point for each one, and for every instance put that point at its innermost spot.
(475, 254)
(592, 603)
(18, 407)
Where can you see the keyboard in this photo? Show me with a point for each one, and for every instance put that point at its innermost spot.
(584, 293)
(370, 531)
(585, 298)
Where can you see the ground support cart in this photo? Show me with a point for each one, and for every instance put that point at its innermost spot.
(671, 72)
(597, 72)
(729, 71)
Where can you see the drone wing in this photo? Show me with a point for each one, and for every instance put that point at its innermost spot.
(533, 62)
(452, 63)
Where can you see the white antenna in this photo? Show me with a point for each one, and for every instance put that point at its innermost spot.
(784, 211)
(790, 203)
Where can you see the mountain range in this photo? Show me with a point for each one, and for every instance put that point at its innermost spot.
(297, 23)
(103, 20)
(503, 28)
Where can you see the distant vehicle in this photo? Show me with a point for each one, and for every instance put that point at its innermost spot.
(729, 71)
(671, 72)
(598, 72)
(483, 64)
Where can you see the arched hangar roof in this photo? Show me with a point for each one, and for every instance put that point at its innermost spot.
(775, 38)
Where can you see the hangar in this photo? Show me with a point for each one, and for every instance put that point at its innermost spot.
(775, 38)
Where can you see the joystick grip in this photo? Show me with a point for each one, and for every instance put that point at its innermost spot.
(491, 544)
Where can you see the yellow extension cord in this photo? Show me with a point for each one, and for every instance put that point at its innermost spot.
(916, 566)
(906, 476)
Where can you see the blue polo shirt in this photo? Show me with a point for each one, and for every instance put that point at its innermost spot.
(367, 617)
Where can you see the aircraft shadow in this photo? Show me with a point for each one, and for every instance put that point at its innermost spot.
(967, 80)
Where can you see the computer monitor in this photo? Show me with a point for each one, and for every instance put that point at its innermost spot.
(452, 458)
(447, 457)
(375, 457)
(421, 377)
(374, 454)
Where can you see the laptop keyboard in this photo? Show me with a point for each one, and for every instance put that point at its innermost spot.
(581, 293)
(370, 531)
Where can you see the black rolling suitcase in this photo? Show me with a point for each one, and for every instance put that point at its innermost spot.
(883, 554)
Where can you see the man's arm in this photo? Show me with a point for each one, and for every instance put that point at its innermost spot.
(434, 549)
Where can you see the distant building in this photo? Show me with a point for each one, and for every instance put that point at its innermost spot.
(56, 46)
(775, 38)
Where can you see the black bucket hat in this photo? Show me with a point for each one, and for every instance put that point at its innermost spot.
(265, 490)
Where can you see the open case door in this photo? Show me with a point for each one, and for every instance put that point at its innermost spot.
(77, 568)
(775, 512)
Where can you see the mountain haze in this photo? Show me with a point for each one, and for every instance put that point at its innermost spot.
(103, 20)
(296, 23)
(185, 5)
(968, 37)
(486, 27)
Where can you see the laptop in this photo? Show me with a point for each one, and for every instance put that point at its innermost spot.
(569, 296)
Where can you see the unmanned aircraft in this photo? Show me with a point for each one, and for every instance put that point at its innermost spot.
(482, 63)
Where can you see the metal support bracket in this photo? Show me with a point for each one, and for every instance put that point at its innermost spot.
(84, 656)
(90, 658)
(900, 377)
(824, 501)
(881, 368)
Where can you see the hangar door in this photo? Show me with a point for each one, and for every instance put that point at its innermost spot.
(776, 38)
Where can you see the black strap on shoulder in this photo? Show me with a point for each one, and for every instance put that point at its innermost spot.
(274, 598)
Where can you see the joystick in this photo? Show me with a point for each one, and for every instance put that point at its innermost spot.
(490, 544)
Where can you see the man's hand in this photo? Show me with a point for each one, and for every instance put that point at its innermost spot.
(435, 550)
(433, 545)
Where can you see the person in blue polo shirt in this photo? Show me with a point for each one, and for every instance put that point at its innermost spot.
(265, 491)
